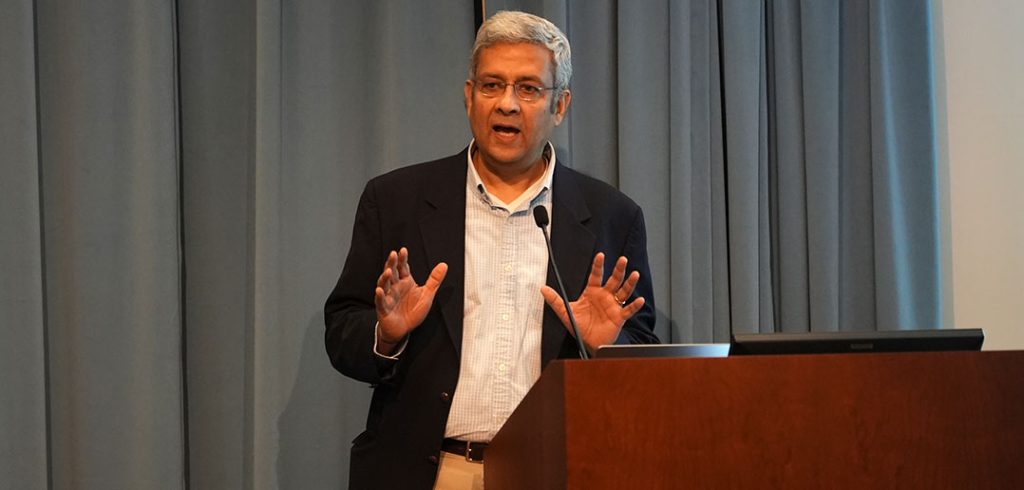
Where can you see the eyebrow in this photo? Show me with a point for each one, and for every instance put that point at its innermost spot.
(520, 79)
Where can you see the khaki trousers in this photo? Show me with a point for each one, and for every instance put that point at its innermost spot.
(455, 473)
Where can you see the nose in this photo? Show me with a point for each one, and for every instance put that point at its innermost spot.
(508, 102)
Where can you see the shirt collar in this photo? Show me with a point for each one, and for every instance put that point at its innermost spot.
(532, 193)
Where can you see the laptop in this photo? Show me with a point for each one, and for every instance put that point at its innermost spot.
(959, 339)
(661, 350)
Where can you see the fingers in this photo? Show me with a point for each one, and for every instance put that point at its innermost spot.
(385, 279)
(618, 273)
(632, 308)
(623, 293)
(619, 285)
(396, 270)
(380, 302)
(402, 266)
(596, 271)
(384, 283)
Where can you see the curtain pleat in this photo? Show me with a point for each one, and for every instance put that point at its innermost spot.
(23, 425)
(108, 161)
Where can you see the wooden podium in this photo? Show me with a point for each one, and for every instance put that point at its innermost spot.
(916, 420)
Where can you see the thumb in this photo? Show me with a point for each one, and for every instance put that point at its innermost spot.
(554, 300)
(434, 280)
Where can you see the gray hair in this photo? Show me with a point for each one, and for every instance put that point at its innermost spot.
(520, 27)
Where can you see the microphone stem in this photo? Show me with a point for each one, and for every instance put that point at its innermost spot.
(584, 354)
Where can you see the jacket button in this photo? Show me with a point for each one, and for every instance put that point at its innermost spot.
(445, 396)
(432, 458)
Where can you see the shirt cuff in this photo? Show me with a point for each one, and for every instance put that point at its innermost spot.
(376, 341)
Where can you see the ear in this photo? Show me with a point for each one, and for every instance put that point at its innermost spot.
(467, 94)
(562, 106)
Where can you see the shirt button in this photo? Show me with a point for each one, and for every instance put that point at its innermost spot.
(432, 458)
(508, 268)
(502, 367)
(504, 316)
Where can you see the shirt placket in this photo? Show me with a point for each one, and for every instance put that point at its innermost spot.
(507, 319)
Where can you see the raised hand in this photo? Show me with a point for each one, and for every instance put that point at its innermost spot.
(401, 303)
(602, 309)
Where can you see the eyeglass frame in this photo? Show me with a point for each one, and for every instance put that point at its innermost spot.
(515, 88)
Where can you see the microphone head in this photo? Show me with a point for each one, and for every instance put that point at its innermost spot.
(540, 216)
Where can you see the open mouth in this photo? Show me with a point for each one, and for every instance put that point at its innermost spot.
(505, 130)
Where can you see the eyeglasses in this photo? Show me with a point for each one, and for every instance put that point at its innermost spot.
(526, 91)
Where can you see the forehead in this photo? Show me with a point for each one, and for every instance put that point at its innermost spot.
(516, 61)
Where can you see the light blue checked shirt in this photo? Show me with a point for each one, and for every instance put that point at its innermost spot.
(506, 265)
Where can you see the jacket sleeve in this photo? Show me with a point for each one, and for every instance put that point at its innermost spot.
(349, 313)
(640, 328)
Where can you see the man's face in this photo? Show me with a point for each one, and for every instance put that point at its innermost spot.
(510, 133)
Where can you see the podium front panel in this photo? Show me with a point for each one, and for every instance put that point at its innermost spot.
(925, 420)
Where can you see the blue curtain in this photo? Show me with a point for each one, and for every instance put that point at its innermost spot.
(853, 166)
(179, 181)
(783, 152)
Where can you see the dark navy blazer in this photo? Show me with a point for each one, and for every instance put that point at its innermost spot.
(423, 207)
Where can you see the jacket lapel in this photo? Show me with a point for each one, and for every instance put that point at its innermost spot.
(442, 227)
(573, 246)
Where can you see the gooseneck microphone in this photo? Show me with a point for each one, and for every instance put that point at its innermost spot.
(540, 216)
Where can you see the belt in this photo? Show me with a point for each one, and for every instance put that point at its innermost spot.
(473, 451)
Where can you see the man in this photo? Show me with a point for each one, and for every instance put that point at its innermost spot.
(441, 303)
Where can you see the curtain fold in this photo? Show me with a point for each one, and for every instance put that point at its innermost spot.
(642, 162)
(904, 169)
(23, 372)
(782, 150)
(109, 183)
(216, 67)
